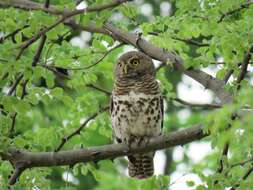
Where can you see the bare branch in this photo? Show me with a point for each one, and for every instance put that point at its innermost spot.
(209, 82)
(71, 157)
(30, 5)
(78, 130)
(196, 104)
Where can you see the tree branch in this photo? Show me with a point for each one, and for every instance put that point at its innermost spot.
(78, 130)
(66, 14)
(245, 64)
(241, 7)
(217, 86)
(15, 84)
(106, 92)
(196, 104)
(30, 5)
(209, 82)
(187, 41)
(97, 62)
(23, 159)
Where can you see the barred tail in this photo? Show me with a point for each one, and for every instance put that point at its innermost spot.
(141, 165)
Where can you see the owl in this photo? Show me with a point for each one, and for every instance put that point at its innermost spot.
(136, 108)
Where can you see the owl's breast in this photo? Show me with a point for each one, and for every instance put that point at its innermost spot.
(137, 114)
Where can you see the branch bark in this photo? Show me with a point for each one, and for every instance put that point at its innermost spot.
(22, 160)
(209, 82)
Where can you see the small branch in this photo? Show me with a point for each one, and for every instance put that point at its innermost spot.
(13, 122)
(72, 157)
(245, 63)
(12, 34)
(67, 15)
(36, 58)
(11, 131)
(106, 92)
(196, 104)
(224, 154)
(241, 7)
(97, 62)
(228, 75)
(15, 84)
(242, 163)
(78, 130)
(187, 41)
(55, 71)
(246, 175)
(191, 42)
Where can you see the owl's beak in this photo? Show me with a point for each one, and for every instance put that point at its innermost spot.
(125, 69)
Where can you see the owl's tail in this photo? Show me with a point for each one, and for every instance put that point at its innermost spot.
(141, 165)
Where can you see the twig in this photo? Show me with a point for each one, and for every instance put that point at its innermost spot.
(241, 7)
(228, 75)
(15, 84)
(79, 129)
(12, 34)
(241, 163)
(36, 58)
(94, 64)
(106, 92)
(196, 104)
(187, 41)
(246, 175)
(54, 70)
(245, 63)
(71, 157)
(65, 16)
(13, 121)
(11, 131)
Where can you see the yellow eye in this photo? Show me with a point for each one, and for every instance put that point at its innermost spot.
(135, 62)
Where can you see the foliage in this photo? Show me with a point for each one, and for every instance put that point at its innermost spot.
(55, 96)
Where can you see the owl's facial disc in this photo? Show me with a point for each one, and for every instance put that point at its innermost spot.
(134, 65)
(130, 68)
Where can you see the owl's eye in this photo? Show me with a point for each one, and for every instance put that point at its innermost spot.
(135, 62)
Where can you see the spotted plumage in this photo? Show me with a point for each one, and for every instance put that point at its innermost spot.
(136, 108)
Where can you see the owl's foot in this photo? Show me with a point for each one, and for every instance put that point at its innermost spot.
(143, 141)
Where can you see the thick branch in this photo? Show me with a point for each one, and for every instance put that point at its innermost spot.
(30, 5)
(66, 15)
(23, 159)
(209, 82)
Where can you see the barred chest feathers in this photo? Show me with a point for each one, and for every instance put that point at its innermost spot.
(136, 114)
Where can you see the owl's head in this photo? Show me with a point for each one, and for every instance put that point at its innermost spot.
(134, 64)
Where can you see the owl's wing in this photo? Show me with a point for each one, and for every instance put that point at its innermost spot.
(162, 110)
(118, 140)
(111, 104)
